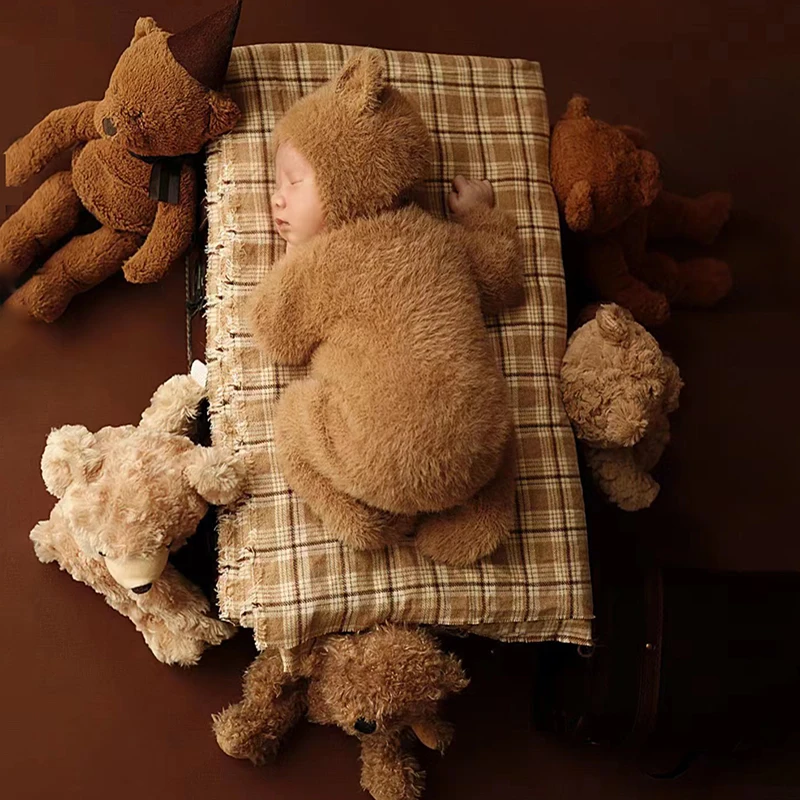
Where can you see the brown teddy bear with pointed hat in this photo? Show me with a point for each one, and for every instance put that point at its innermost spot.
(406, 410)
(131, 167)
(609, 191)
(384, 687)
(128, 497)
(618, 388)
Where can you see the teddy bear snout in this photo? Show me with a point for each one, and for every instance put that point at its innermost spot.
(109, 128)
(137, 573)
(365, 725)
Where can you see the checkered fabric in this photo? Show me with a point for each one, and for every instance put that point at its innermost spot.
(280, 573)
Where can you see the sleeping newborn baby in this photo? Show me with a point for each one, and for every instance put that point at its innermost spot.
(404, 422)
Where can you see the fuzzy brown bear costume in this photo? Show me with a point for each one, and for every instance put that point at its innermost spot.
(609, 190)
(380, 686)
(406, 410)
(129, 167)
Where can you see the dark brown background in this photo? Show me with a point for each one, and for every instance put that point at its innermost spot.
(86, 710)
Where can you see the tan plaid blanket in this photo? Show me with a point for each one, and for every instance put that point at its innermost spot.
(280, 574)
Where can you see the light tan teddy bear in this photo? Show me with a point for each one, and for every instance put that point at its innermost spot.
(618, 388)
(128, 496)
(405, 418)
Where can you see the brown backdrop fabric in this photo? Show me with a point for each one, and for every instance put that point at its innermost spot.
(86, 710)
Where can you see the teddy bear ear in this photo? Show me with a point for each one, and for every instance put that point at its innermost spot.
(577, 108)
(224, 113)
(362, 81)
(70, 456)
(579, 209)
(144, 26)
(614, 322)
(451, 676)
(216, 474)
(649, 177)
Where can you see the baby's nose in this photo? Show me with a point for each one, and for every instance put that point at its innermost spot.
(278, 201)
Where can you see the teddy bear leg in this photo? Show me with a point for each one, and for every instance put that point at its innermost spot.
(273, 701)
(696, 219)
(300, 436)
(659, 272)
(620, 478)
(388, 772)
(49, 214)
(704, 282)
(610, 277)
(80, 264)
(476, 529)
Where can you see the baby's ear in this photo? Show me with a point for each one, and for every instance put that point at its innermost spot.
(362, 81)
(69, 456)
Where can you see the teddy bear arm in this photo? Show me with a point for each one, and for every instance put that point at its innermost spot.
(169, 237)
(607, 272)
(285, 314)
(496, 258)
(388, 771)
(57, 132)
(620, 477)
(648, 451)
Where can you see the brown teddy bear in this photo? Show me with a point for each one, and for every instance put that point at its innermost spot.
(608, 189)
(406, 411)
(128, 497)
(131, 167)
(618, 388)
(379, 686)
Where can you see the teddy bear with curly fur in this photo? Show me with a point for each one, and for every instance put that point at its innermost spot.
(609, 191)
(131, 168)
(618, 388)
(383, 687)
(128, 497)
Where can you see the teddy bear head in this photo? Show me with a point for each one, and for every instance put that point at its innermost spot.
(367, 143)
(164, 98)
(599, 174)
(615, 379)
(382, 683)
(131, 495)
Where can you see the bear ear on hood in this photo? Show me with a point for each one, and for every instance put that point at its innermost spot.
(362, 81)
(70, 456)
(144, 27)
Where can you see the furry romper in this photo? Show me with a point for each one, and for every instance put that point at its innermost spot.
(405, 411)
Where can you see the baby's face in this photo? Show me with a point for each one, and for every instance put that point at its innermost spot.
(296, 207)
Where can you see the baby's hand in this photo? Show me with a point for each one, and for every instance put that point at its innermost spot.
(468, 195)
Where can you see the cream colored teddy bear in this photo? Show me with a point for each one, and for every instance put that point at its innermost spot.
(618, 388)
(128, 496)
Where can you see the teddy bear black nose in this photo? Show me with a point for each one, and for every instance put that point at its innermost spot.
(145, 587)
(365, 725)
(109, 127)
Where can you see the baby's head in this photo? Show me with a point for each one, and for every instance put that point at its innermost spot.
(349, 149)
(296, 205)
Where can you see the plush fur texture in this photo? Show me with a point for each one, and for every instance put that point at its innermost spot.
(381, 686)
(609, 190)
(406, 410)
(152, 107)
(618, 388)
(129, 496)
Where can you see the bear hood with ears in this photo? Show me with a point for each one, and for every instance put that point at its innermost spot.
(366, 142)
(164, 95)
(600, 175)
